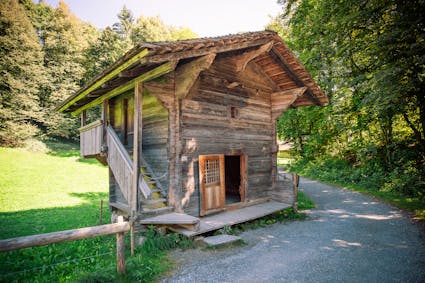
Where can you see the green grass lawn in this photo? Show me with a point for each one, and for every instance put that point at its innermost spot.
(55, 190)
(46, 192)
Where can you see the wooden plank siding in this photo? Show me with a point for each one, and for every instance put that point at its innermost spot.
(155, 135)
(207, 128)
(91, 138)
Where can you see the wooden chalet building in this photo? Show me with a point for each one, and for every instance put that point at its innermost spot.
(188, 128)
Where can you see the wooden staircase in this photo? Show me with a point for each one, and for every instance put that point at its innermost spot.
(153, 199)
(153, 207)
(152, 196)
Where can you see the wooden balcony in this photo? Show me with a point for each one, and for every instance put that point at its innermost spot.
(91, 139)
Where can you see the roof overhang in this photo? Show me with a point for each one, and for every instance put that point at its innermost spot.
(148, 61)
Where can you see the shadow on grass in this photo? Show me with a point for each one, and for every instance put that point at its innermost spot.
(38, 221)
(62, 148)
(40, 264)
(66, 149)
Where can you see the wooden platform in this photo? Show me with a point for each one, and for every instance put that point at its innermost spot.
(173, 218)
(228, 218)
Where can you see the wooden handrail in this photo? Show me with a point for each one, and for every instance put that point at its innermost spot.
(121, 149)
(91, 126)
(119, 162)
(62, 236)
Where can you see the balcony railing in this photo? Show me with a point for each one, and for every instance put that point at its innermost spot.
(91, 139)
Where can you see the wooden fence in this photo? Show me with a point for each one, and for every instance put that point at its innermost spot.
(118, 228)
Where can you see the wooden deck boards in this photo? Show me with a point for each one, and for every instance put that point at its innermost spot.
(228, 218)
(170, 218)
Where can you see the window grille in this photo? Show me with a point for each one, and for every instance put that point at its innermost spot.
(212, 171)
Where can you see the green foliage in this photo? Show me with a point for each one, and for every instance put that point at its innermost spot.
(47, 54)
(372, 180)
(20, 64)
(368, 57)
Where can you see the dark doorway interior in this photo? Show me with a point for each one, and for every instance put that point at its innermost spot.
(233, 178)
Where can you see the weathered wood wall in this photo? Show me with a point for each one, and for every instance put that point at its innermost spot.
(155, 132)
(207, 127)
(155, 136)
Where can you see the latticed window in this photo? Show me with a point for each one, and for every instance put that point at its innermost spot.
(212, 171)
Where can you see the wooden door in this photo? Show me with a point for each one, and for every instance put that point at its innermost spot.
(212, 183)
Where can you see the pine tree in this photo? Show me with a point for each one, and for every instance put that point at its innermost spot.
(20, 68)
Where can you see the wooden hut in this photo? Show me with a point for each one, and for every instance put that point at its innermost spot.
(188, 128)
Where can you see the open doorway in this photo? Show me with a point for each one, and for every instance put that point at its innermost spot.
(221, 182)
(232, 178)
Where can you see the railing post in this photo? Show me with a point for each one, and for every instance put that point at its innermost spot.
(120, 250)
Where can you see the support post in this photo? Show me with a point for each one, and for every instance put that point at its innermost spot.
(83, 118)
(138, 91)
(120, 250)
(295, 180)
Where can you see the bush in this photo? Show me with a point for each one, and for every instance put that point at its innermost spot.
(407, 180)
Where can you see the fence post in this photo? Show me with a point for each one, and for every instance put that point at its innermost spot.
(295, 179)
(120, 250)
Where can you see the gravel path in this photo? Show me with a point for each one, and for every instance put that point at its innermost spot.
(349, 237)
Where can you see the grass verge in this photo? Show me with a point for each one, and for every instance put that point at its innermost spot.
(341, 177)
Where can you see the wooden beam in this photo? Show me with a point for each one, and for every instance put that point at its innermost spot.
(138, 90)
(62, 236)
(187, 74)
(275, 54)
(152, 74)
(103, 80)
(282, 100)
(243, 59)
(83, 118)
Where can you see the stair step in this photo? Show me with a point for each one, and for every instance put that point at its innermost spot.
(153, 201)
(146, 212)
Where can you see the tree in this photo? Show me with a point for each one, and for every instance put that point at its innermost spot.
(152, 29)
(20, 68)
(368, 56)
(64, 38)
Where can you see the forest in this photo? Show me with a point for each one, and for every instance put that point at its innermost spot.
(367, 55)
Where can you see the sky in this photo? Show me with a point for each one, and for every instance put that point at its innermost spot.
(204, 17)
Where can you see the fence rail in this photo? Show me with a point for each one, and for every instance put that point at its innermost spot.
(71, 235)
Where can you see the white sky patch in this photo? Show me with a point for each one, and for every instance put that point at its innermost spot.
(206, 18)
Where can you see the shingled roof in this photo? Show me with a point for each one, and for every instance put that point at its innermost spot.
(277, 62)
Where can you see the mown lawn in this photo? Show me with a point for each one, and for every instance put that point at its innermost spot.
(54, 191)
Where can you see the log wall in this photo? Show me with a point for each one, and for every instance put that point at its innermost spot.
(227, 112)
(155, 133)
(155, 136)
